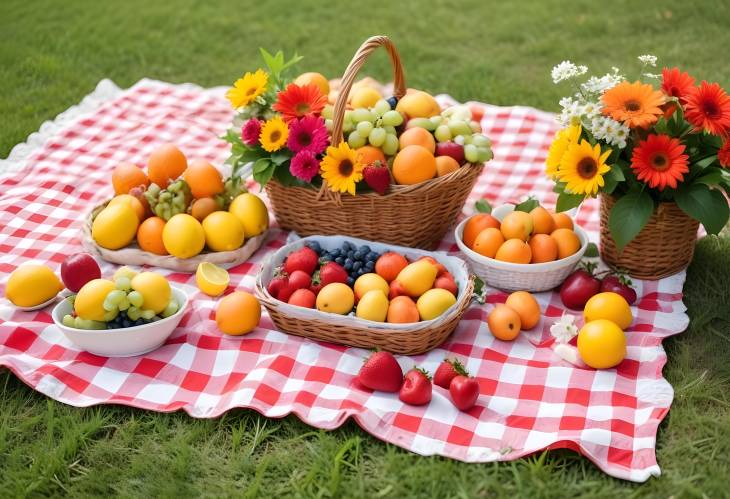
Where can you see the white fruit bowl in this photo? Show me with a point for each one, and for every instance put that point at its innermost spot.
(124, 342)
(509, 276)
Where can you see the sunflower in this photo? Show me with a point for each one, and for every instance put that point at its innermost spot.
(659, 161)
(583, 167)
(247, 88)
(296, 101)
(636, 105)
(708, 108)
(563, 139)
(341, 168)
(274, 134)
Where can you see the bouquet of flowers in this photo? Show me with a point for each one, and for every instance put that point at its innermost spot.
(643, 144)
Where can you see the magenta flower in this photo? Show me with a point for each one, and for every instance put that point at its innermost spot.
(308, 134)
(304, 166)
(250, 132)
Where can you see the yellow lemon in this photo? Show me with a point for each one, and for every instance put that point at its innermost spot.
(336, 298)
(601, 344)
(252, 213)
(364, 97)
(89, 302)
(434, 302)
(373, 306)
(417, 277)
(155, 290)
(30, 285)
(611, 306)
(317, 79)
(238, 313)
(115, 226)
(211, 279)
(368, 282)
(223, 231)
(183, 236)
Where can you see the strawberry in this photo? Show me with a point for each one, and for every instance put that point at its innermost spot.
(316, 288)
(377, 177)
(276, 285)
(285, 293)
(446, 282)
(304, 259)
(299, 280)
(332, 272)
(464, 392)
(381, 372)
(416, 389)
(448, 370)
(302, 298)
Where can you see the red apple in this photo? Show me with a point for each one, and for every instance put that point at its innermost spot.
(78, 269)
(452, 149)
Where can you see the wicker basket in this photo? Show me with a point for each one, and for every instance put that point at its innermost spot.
(409, 215)
(663, 247)
(406, 339)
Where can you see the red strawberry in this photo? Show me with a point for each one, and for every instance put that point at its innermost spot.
(302, 298)
(448, 370)
(285, 293)
(316, 288)
(299, 280)
(304, 259)
(377, 177)
(464, 392)
(277, 284)
(381, 372)
(446, 282)
(416, 389)
(332, 272)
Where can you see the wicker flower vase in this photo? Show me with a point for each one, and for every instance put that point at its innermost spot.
(663, 247)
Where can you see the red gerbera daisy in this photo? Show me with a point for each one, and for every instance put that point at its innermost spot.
(659, 161)
(708, 108)
(676, 83)
(723, 155)
(296, 101)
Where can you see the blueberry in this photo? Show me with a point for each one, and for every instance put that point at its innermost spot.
(370, 265)
(126, 323)
(365, 249)
(111, 325)
(393, 101)
(351, 254)
(361, 272)
(340, 260)
(335, 252)
(359, 255)
(356, 266)
(348, 246)
(372, 256)
(350, 281)
(348, 264)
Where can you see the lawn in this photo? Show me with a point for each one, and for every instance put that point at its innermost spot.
(54, 53)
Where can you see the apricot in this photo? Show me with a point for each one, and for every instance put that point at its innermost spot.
(418, 137)
(445, 165)
(402, 310)
(488, 242)
(567, 241)
(504, 323)
(369, 155)
(413, 165)
(418, 104)
(544, 248)
(475, 225)
(526, 307)
(514, 251)
(542, 221)
(562, 221)
(517, 225)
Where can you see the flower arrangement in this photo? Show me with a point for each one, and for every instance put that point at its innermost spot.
(643, 144)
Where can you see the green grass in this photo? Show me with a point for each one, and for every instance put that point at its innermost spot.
(53, 53)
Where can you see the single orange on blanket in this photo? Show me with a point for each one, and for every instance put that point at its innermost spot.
(126, 177)
(165, 164)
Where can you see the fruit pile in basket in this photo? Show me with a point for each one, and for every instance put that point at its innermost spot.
(177, 208)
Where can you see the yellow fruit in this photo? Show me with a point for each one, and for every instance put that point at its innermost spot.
(155, 290)
(434, 302)
(314, 78)
(252, 213)
(336, 298)
(526, 307)
(30, 285)
(89, 302)
(368, 282)
(238, 313)
(211, 279)
(373, 306)
(115, 226)
(223, 231)
(417, 277)
(504, 323)
(124, 271)
(418, 104)
(183, 236)
(517, 225)
(542, 221)
(364, 97)
(610, 306)
(601, 344)
(132, 201)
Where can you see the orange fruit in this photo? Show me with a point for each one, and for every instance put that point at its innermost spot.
(413, 165)
(601, 344)
(562, 221)
(149, 236)
(475, 225)
(542, 221)
(514, 251)
(504, 323)
(127, 176)
(544, 248)
(203, 207)
(314, 78)
(488, 242)
(568, 242)
(136, 204)
(238, 313)
(417, 136)
(203, 179)
(402, 310)
(516, 225)
(526, 307)
(445, 165)
(165, 164)
(389, 265)
(369, 155)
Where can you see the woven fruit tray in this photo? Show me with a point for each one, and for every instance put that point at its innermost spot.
(407, 339)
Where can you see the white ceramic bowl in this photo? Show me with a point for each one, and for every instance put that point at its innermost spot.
(519, 276)
(126, 342)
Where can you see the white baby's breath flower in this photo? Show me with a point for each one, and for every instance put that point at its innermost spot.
(565, 329)
(648, 59)
(653, 76)
(567, 70)
(591, 109)
(572, 111)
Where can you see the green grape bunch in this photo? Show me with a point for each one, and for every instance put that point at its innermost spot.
(166, 203)
(232, 187)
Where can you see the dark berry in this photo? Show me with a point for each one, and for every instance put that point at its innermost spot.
(340, 260)
(372, 256)
(369, 266)
(393, 101)
(361, 272)
(356, 266)
(348, 264)
(314, 245)
(335, 252)
(126, 323)
(351, 281)
(365, 249)
(351, 254)
(326, 258)
(348, 246)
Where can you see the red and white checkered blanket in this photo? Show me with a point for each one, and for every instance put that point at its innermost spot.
(530, 399)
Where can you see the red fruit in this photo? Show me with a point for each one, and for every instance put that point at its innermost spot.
(316, 288)
(276, 285)
(302, 298)
(578, 288)
(417, 388)
(332, 272)
(441, 269)
(452, 149)
(448, 370)
(299, 280)
(464, 392)
(396, 289)
(78, 269)
(477, 112)
(619, 284)
(381, 372)
(304, 259)
(285, 293)
(446, 282)
(377, 176)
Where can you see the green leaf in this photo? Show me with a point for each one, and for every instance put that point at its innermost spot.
(568, 201)
(527, 205)
(261, 165)
(712, 176)
(706, 205)
(264, 172)
(280, 156)
(614, 176)
(483, 206)
(591, 251)
(628, 216)
(285, 178)
(705, 162)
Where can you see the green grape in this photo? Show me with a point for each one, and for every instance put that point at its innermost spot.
(80, 323)
(459, 139)
(467, 139)
(72, 299)
(470, 153)
(460, 113)
(475, 127)
(347, 117)
(68, 320)
(135, 299)
(377, 137)
(484, 154)
(421, 123)
(133, 313)
(436, 120)
(116, 296)
(109, 306)
(328, 112)
(147, 314)
(459, 128)
(171, 309)
(442, 133)
(362, 114)
(390, 146)
(355, 140)
(123, 305)
(165, 196)
(348, 126)
(328, 124)
(170, 201)
(382, 107)
(123, 283)
(480, 140)
(364, 128)
(392, 118)
(110, 315)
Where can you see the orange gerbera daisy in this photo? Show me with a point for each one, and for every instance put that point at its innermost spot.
(659, 161)
(723, 155)
(636, 105)
(297, 101)
(676, 83)
(708, 108)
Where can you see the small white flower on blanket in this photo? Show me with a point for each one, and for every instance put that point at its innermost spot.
(564, 330)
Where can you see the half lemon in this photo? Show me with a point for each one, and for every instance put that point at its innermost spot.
(211, 279)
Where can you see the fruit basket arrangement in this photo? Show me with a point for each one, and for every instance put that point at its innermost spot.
(405, 300)
(176, 215)
(392, 169)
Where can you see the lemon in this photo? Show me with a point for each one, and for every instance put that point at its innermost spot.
(252, 213)
(373, 306)
(211, 279)
(89, 302)
(336, 298)
(155, 290)
(601, 344)
(183, 236)
(223, 231)
(115, 226)
(417, 277)
(30, 285)
(369, 282)
(434, 302)
(611, 306)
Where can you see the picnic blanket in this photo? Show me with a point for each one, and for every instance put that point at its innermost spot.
(530, 398)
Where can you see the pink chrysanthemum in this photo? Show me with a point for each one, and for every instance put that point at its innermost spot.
(250, 132)
(304, 166)
(308, 134)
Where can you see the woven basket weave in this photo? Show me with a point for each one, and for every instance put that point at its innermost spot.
(663, 247)
(409, 215)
